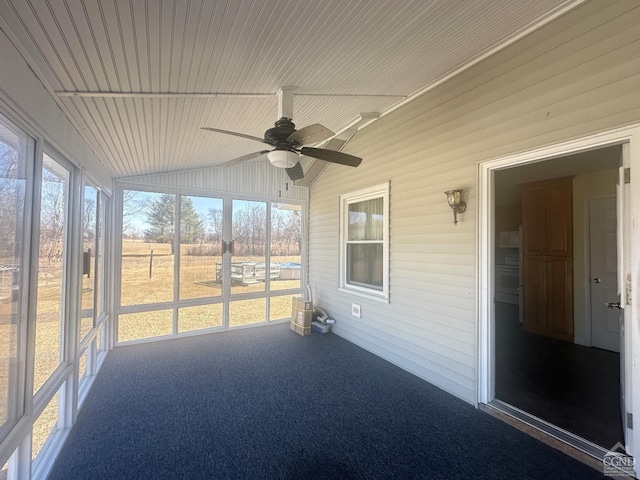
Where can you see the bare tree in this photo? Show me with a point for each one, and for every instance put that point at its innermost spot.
(89, 220)
(12, 196)
(286, 233)
(52, 216)
(213, 229)
(135, 204)
(249, 229)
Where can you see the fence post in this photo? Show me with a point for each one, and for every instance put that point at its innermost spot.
(150, 263)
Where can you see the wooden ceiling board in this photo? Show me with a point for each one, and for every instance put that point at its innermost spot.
(344, 58)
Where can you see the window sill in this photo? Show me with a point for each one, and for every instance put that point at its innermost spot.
(371, 296)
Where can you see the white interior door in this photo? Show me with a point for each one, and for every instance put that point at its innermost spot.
(603, 268)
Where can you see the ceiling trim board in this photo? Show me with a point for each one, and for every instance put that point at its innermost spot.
(162, 95)
(61, 93)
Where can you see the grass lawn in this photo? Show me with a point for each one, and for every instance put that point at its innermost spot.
(197, 280)
(148, 279)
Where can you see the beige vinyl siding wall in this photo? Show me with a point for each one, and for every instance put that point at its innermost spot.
(257, 180)
(575, 76)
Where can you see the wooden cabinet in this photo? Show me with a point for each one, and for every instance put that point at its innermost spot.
(547, 218)
(560, 297)
(534, 296)
(547, 243)
(508, 218)
(534, 220)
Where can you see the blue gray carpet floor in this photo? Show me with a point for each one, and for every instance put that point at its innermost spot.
(267, 403)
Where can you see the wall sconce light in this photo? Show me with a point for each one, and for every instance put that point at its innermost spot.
(454, 199)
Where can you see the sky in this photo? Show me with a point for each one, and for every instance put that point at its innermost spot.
(202, 205)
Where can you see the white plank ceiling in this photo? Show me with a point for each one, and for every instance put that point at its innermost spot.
(138, 78)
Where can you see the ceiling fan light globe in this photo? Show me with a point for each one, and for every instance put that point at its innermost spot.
(283, 158)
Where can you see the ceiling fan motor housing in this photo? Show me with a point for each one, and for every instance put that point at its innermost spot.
(283, 156)
(277, 136)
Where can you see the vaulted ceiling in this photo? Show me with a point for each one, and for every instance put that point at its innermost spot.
(138, 78)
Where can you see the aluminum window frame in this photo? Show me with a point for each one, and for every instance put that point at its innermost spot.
(358, 289)
(176, 303)
(16, 443)
(18, 408)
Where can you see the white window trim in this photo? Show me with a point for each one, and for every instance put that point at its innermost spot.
(381, 190)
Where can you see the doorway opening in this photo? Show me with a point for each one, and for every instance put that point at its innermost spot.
(556, 343)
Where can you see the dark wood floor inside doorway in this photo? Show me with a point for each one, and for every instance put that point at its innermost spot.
(571, 386)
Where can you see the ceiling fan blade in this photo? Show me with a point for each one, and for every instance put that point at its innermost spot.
(310, 134)
(243, 135)
(245, 158)
(331, 156)
(295, 172)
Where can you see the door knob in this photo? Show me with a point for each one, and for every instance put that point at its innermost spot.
(597, 280)
(613, 305)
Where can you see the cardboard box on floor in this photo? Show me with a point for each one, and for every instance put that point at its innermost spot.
(301, 316)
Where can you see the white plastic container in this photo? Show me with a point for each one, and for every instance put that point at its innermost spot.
(320, 327)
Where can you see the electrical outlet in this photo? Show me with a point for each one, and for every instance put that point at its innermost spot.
(355, 310)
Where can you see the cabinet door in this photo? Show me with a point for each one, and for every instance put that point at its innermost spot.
(560, 297)
(534, 294)
(559, 227)
(508, 218)
(534, 220)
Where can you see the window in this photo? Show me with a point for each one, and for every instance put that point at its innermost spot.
(16, 154)
(286, 247)
(41, 220)
(44, 427)
(249, 255)
(52, 270)
(100, 263)
(191, 263)
(90, 267)
(148, 222)
(200, 246)
(364, 242)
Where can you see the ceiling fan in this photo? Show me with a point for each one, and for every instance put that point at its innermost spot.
(288, 144)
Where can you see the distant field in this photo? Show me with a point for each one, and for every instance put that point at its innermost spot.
(147, 279)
